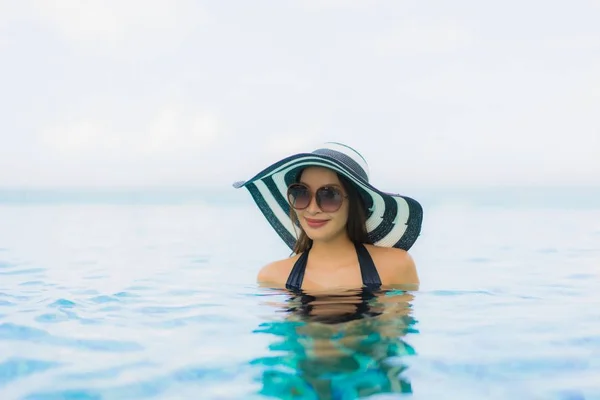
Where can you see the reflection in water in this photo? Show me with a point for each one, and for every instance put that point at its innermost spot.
(338, 346)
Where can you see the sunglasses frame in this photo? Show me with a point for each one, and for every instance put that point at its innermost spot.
(315, 195)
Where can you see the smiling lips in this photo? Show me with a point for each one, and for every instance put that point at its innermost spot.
(316, 223)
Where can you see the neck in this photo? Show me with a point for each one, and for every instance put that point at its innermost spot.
(333, 249)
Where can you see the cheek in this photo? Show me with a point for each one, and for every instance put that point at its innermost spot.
(299, 218)
(301, 222)
(342, 215)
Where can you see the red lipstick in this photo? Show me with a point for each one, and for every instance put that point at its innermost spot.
(316, 223)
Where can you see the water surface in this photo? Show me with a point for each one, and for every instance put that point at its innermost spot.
(154, 297)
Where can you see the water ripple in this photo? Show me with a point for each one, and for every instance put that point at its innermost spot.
(23, 271)
(33, 283)
(63, 303)
(147, 302)
(139, 288)
(479, 260)
(18, 298)
(194, 375)
(203, 319)
(106, 373)
(126, 295)
(65, 395)
(53, 318)
(166, 309)
(461, 292)
(9, 331)
(103, 299)
(15, 368)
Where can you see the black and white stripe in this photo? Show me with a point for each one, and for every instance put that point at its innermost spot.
(393, 221)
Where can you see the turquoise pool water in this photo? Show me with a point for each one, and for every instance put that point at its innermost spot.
(153, 297)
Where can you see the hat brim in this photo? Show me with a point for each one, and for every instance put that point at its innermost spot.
(393, 220)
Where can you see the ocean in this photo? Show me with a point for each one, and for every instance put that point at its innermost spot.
(151, 294)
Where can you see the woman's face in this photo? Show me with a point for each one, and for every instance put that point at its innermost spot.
(320, 225)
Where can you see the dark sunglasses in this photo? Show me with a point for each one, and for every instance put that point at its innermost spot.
(329, 198)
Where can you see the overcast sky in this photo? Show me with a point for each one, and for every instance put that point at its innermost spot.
(124, 92)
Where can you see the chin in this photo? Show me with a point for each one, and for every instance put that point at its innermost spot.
(320, 235)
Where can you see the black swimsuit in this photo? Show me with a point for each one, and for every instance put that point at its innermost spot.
(370, 277)
(301, 303)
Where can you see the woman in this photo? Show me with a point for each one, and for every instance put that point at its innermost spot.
(344, 232)
(338, 359)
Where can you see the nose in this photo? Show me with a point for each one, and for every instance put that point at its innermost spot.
(313, 208)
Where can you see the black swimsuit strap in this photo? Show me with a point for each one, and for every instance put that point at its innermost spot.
(294, 280)
(369, 274)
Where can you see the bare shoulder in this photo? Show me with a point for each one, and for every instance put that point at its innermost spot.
(395, 266)
(277, 272)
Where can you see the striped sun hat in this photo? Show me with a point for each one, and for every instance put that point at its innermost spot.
(392, 220)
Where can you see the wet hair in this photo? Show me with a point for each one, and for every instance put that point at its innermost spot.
(355, 226)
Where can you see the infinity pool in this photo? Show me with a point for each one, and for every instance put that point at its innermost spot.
(129, 300)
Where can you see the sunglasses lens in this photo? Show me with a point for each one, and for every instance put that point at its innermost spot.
(298, 196)
(329, 199)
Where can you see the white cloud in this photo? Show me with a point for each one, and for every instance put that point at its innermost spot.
(8, 10)
(126, 23)
(448, 96)
(419, 36)
(318, 5)
(175, 130)
(578, 42)
(278, 146)
(83, 137)
(10, 13)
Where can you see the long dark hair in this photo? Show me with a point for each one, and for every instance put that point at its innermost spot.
(355, 226)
